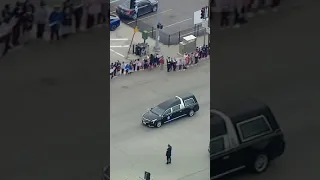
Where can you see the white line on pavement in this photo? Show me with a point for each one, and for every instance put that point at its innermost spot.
(120, 46)
(139, 19)
(119, 39)
(178, 22)
(175, 23)
(114, 1)
(116, 53)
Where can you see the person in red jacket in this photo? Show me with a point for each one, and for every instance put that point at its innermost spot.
(161, 60)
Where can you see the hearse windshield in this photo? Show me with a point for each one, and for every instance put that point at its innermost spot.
(157, 110)
(217, 126)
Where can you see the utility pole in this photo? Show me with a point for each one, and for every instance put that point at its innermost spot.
(136, 27)
(205, 19)
(159, 26)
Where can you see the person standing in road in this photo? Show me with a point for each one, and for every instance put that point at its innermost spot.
(55, 19)
(41, 19)
(161, 60)
(174, 64)
(168, 154)
(275, 4)
(225, 13)
(16, 30)
(168, 64)
(196, 56)
(122, 67)
(27, 25)
(180, 64)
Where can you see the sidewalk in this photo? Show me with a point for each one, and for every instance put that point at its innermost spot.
(126, 32)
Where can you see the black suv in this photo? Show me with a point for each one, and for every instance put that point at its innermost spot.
(245, 135)
(170, 110)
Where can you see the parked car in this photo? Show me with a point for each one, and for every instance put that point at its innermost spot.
(127, 10)
(170, 110)
(114, 22)
(244, 135)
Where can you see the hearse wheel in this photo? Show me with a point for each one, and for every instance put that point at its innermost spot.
(159, 124)
(260, 163)
(191, 113)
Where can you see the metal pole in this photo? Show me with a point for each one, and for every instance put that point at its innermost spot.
(157, 46)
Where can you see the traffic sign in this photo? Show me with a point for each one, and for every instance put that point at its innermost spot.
(136, 29)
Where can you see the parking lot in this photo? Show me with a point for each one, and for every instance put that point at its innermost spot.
(136, 148)
(281, 68)
(173, 17)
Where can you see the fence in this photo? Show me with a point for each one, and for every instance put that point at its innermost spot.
(174, 38)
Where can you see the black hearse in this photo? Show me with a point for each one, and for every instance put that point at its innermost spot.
(170, 110)
(244, 135)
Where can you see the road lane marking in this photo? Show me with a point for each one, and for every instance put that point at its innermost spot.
(174, 24)
(114, 1)
(177, 23)
(120, 46)
(116, 53)
(139, 19)
(119, 39)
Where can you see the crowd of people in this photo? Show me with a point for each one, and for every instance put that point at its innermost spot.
(159, 61)
(18, 21)
(234, 13)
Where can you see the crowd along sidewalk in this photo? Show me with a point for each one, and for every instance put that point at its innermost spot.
(125, 32)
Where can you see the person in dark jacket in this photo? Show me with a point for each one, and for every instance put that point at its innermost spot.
(67, 21)
(6, 12)
(168, 64)
(16, 30)
(55, 20)
(168, 154)
(27, 6)
(27, 25)
(41, 19)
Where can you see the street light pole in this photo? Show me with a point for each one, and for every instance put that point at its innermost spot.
(157, 45)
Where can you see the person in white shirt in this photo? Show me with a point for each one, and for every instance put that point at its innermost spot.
(123, 66)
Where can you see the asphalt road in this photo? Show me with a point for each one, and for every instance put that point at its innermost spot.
(54, 109)
(136, 148)
(172, 16)
(275, 58)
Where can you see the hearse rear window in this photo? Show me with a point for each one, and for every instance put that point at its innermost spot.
(189, 102)
(253, 128)
(217, 145)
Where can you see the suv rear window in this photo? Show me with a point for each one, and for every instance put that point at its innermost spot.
(254, 127)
